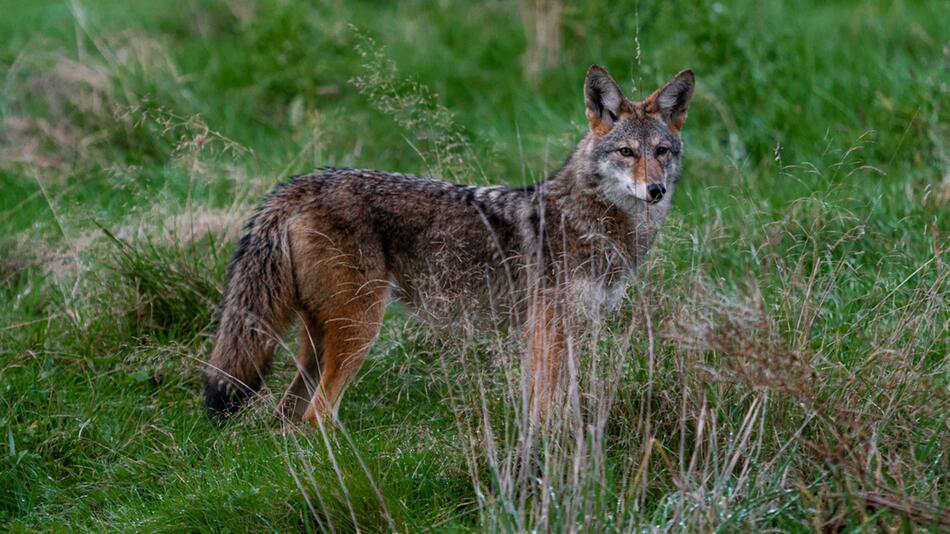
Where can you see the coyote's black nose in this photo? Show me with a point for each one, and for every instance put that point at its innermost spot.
(656, 192)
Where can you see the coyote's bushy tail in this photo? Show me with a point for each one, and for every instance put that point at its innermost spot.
(256, 308)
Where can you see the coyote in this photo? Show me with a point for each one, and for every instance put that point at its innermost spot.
(334, 247)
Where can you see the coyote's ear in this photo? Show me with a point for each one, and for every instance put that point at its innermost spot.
(672, 100)
(603, 98)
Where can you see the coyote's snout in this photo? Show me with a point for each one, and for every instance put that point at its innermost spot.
(332, 248)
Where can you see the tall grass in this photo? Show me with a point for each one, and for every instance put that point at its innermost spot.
(780, 363)
(707, 405)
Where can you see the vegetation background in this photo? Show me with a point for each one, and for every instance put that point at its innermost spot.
(782, 362)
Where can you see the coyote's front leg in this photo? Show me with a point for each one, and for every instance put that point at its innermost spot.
(547, 345)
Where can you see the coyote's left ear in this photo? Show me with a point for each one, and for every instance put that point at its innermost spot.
(672, 100)
(603, 99)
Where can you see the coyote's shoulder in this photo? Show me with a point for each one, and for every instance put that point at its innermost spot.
(334, 247)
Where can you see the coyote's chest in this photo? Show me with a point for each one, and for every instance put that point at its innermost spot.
(614, 248)
(590, 298)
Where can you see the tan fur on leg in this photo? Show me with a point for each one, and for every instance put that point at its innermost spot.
(548, 350)
(347, 340)
(297, 397)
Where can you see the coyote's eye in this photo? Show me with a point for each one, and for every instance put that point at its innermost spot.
(625, 152)
(660, 150)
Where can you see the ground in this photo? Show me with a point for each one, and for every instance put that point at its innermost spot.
(781, 362)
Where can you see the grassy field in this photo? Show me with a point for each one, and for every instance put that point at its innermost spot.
(782, 362)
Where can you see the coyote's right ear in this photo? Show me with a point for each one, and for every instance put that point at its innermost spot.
(603, 98)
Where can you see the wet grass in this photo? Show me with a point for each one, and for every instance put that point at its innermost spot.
(797, 375)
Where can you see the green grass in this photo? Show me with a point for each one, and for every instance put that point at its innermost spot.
(797, 297)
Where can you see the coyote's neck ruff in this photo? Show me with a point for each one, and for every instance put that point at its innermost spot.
(333, 248)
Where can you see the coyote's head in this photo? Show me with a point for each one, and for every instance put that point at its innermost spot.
(634, 149)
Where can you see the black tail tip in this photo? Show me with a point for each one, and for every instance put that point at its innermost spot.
(223, 397)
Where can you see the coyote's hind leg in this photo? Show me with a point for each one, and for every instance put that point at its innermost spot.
(348, 336)
(297, 398)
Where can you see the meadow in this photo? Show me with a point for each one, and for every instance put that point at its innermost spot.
(782, 361)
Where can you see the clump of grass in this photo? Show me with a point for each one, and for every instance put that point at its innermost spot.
(750, 347)
(175, 290)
